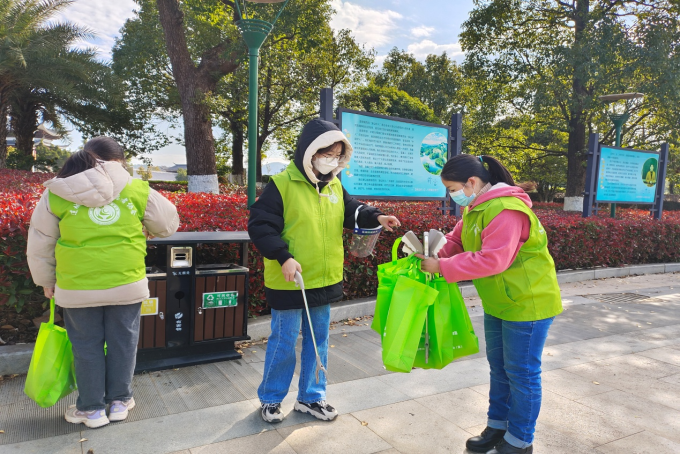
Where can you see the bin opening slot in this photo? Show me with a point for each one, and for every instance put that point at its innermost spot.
(181, 257)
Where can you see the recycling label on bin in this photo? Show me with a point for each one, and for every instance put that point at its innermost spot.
(220, 299)
(150, 306)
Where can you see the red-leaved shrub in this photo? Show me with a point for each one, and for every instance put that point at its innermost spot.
(574, 242)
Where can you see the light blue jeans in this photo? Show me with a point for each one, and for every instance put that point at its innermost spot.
(514, 352)
(280, 358)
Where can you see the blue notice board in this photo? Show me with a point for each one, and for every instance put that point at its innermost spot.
(394, 157)
(627, 176)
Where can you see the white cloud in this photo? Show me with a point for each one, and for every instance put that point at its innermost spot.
(369, 26)
(426, 47)
(103, 17)
(422, 31)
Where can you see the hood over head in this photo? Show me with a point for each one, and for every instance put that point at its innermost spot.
(318, 134)
(93, 188)
(503, 190)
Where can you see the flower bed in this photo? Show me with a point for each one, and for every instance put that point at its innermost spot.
(574, 242)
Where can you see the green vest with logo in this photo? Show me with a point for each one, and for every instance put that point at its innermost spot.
(313, 230)
(104, 247)
(528, 290)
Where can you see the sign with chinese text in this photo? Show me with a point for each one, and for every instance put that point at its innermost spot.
(150, 306)
(215, 300)
(393, 157)
(626, 176)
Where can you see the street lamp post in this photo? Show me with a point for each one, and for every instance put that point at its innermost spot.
(618, 119)
(254, 32)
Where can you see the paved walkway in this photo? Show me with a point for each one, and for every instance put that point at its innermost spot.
(611, 381)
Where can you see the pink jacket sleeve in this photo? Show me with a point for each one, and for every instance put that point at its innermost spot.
(501, 241)
(454, 245)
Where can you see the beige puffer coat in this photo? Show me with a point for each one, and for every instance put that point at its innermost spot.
(93, 188)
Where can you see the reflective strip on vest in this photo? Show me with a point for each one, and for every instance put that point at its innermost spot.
(313, 230)
(103, 247)
(528, 290)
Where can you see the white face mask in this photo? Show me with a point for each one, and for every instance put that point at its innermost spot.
(325, 165)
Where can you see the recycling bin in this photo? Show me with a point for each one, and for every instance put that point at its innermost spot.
(196, 311)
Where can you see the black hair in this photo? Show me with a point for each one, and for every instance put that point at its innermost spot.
(460, 168)
(327, 149)
(100, 148)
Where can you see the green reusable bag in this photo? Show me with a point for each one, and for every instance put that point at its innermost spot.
(440, 351)
(51, 374)
(387, 274)
(450, 330)
(404, 323)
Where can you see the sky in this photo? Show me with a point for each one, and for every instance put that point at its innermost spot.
(419, 27)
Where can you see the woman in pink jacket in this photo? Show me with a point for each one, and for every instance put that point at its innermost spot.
(502, 247)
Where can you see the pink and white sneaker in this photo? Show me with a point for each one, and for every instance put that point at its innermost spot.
(119, 409)
(92, 419)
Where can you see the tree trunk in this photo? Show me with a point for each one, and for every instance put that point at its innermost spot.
(577, 128)
(198, 133)
(24, 122)
(237, 130)
(4, 110)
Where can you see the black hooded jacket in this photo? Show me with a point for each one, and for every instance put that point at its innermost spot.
(266, 221)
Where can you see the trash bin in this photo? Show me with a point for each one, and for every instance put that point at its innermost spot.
(196, 311)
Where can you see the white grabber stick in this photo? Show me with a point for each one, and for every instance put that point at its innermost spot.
(298, 278)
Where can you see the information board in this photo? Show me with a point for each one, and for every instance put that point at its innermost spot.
(627, 176)
(394, 157)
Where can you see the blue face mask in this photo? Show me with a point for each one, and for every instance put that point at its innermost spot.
(460, 198)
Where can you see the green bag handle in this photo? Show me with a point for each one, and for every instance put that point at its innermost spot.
(396, 245)
(52, 311)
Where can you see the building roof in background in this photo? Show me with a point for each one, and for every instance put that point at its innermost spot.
(176, 167)
(273, 168)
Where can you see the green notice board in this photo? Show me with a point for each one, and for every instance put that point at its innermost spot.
(215, 300)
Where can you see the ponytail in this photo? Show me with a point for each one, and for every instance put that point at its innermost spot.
(460, 168)
(100, 148)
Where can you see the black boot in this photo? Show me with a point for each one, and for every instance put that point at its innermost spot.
(504, 448)
(487, 440)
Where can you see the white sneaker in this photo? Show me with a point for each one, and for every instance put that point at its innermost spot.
(320, 410)
(119, 409)
(271, 412)
(92, 419)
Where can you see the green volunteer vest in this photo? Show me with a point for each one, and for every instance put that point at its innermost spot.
(528, 290)
(313, 230)
(102, 247)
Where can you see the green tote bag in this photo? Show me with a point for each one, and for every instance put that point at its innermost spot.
(387, 274)
(450, 330)
(404, 323)
(51, 374)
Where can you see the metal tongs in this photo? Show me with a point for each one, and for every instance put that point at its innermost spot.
(298, 278)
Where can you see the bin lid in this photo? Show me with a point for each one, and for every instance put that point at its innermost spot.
(203, 237)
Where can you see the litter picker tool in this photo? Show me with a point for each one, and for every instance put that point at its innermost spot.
(298, 278)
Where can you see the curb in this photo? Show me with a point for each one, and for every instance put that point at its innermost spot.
(15, 359)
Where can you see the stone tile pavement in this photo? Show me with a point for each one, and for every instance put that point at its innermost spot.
(611, 385)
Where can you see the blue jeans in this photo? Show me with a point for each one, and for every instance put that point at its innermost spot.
(514, 352)
(280, 358)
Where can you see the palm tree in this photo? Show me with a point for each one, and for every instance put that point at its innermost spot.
(43, 77)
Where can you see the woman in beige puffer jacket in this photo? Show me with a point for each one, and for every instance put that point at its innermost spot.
(86, 247)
